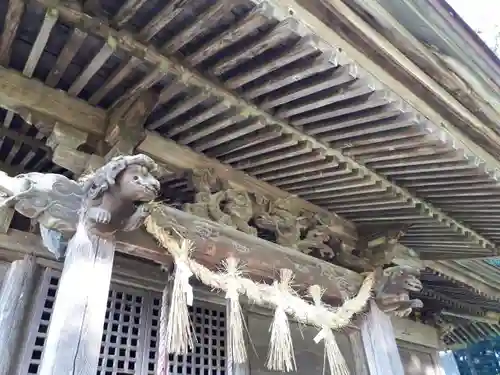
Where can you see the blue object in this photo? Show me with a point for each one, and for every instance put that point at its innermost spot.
(482, 358)
(54, 242)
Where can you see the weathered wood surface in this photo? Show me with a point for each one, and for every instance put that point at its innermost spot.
(454, 271)
(75, 332)
(15, 296)
(185, 159)
(468, 91)
(322, 16)
(358, 353)
(35, 101)
(132, 45)
(263, 259)
(109, 203)
(380, 344)
(419, 360)
(416, 333)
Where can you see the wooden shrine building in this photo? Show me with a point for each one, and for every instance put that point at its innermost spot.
(329, 137)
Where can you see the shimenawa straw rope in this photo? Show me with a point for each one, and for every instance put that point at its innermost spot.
(281, 356)
(262, 294)
(336, 361)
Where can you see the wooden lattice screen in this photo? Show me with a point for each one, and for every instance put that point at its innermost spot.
(130, 334)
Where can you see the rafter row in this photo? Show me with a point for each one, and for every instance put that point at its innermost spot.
(186, 75)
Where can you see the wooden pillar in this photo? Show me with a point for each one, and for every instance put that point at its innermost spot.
(379, 341)
(358, 353)
(15, 296)
(75, 332)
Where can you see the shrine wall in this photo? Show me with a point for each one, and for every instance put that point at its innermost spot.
(309, 356)
(131, 328)
(419, 359)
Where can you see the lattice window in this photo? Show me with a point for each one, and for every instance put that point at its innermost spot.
(209, 354)
(152, 336)
(49, 294)
(120, 340)
(130, 336)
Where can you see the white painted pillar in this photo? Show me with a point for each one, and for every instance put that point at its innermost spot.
(15, 297)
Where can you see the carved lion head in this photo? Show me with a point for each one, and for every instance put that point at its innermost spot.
(130, 176)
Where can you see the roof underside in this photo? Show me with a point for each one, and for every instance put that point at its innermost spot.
(314, 123)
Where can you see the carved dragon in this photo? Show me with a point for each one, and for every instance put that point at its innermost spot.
(105, 202)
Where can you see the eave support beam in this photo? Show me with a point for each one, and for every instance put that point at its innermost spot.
(131, 45)
(36, 102)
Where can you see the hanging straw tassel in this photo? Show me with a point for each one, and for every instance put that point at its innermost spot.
(236, 338)
(281, 356)
(179, 338)
(336, 361)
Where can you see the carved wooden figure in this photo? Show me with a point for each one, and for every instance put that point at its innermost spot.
(88, 214)
(392, 292)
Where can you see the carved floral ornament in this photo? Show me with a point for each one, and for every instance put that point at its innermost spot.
(118, 196)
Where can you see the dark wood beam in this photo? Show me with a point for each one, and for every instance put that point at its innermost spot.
(131, 45)
(263, 259)
(30, 141)
(36, 102)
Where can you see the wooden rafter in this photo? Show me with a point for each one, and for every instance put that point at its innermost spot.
(163, 65)
(131, 45)
(319, 14)
(37, 102)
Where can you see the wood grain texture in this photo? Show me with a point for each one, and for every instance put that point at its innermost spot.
(416, 333)
(172, 154)
(15, 297)
(380, 344)
(74, 336)
(35, 101)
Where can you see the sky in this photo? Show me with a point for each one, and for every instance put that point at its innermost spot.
(483, 16)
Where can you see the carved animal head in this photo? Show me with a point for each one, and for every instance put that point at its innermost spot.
(138, 184)
(393, 287)
(129, 176)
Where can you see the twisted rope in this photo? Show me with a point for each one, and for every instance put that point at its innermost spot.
(262, 294)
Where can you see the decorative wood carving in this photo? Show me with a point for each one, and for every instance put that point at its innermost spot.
(91, 212)
(105, 201)
(282, 221)
(216, 201)
(215, 242)
(393, 288)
